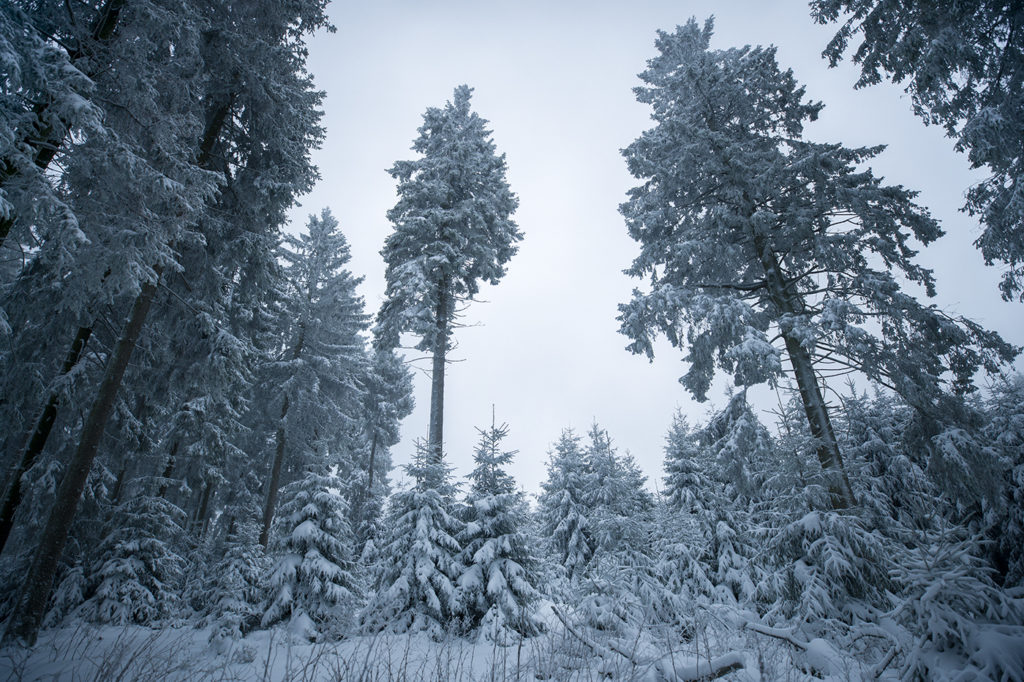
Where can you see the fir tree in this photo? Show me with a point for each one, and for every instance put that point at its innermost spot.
(496, 588)
(416, 588)
(311, 582)
(453, 229)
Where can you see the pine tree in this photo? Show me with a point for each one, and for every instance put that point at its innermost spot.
(416, 588)
(453, 229)
(311, 581)
(496, 588)
(963, 65)
(751, 235)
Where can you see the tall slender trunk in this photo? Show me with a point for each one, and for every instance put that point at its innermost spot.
(435, 439)
(12, 496)
(275, 479)
(31, 605)
(372, 465)
(199, 521)
(807, 383)
(275, 469)
(43, 138)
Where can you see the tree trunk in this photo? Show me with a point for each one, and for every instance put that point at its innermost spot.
(275, 479)
(371, 466)
(199, 522)
(275, 469)
(31, 605)
(12, 496)
(42, 138)
(435, 440)
(788, 303)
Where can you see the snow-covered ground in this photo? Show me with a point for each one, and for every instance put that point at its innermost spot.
(83, 652)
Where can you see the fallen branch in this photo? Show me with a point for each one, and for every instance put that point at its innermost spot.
(778, 633)
(691, 672)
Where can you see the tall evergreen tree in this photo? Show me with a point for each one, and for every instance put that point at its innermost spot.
(453, 229)
(181, 128)
(751, 235)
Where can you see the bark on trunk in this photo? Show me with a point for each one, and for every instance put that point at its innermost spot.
(43, 139)
(435, 439)
(199, 522)
(12, 496)
(372, 465)
(275, 469)
(31, 606)
(813, 401)
(275, 479)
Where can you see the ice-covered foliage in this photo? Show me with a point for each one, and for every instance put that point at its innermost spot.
(713, 475)
(418, 564)
(563, 513)
(136, 577)
(496, 589)
(311, 581)
(758, 243)
(1004, 431)
(232, 595)
(453, 224)
(963, 65)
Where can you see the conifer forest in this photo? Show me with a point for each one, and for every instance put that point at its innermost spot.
(225, 449)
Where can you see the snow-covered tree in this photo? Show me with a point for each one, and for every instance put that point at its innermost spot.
(617, 503)
(563, 512)
(963, 65)
(453, 230)
(318, 376)
(311, 582)
(137, 573)
(752, 236)
(387, 400)
(496, 588)
(418, 560)
(191, 119)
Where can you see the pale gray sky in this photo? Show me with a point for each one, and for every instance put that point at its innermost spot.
(555, 81)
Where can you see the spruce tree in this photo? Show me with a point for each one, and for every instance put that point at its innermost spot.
(311, 581)
(563, 513)
(453, 230)
(496, 588)
(316, 381)
(418, 562)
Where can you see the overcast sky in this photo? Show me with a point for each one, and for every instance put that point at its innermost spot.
(554, 79)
